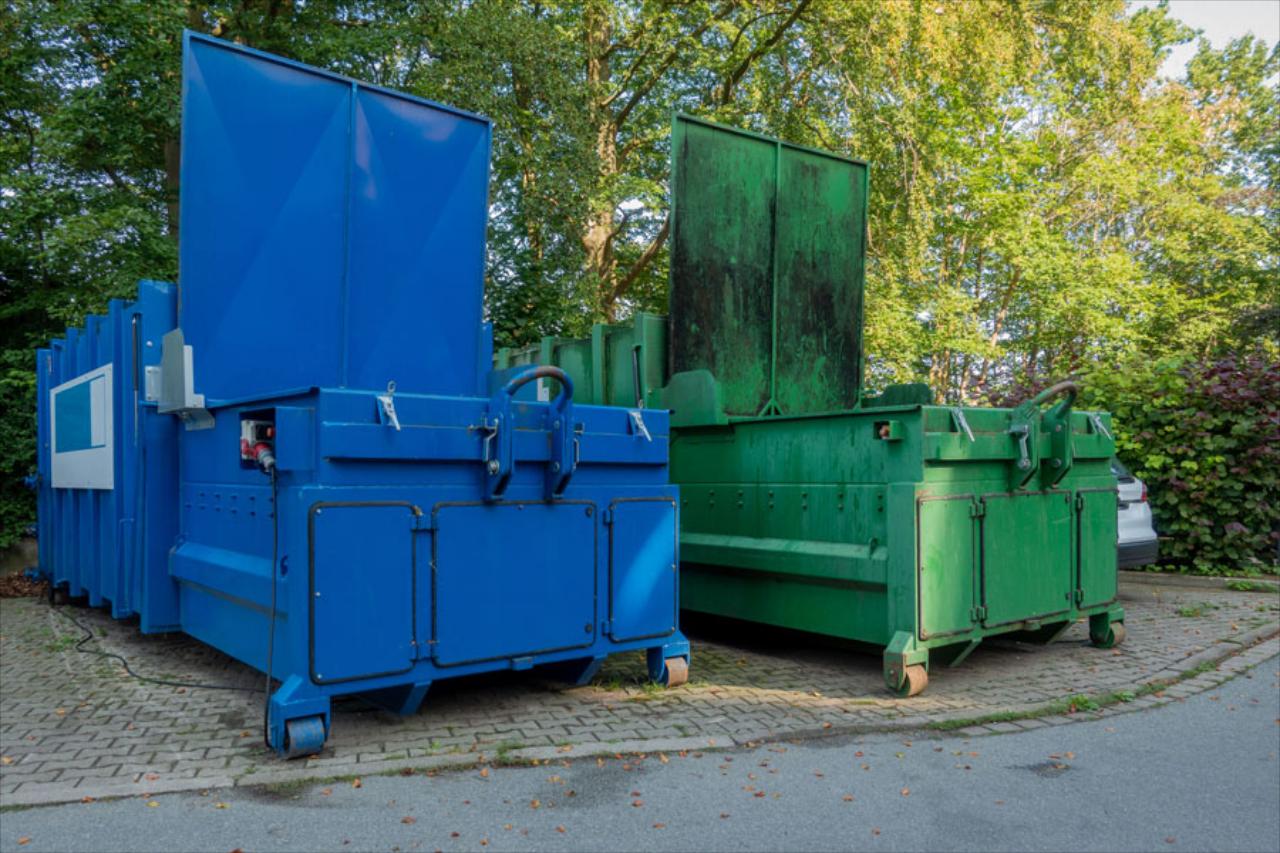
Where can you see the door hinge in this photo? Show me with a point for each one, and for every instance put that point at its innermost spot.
(977, 509)
(1080, 595)
(1079, 502)
(606, 517)
(978, 613)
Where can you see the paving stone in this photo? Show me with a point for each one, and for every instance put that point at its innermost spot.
(114, 729)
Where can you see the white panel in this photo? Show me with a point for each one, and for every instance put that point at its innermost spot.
(82, 445)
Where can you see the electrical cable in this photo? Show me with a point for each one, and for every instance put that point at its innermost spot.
(88, 635)
(271, 621)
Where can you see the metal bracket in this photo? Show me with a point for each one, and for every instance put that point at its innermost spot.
(177, 383)
(637, 424)
(151, 383)
(387, 407)
(957, 415)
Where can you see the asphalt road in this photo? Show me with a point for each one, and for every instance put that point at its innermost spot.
(1197, 775)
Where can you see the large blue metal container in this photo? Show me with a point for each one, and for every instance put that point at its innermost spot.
(300, 455)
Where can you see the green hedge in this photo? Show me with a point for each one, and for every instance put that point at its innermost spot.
(1205, 438)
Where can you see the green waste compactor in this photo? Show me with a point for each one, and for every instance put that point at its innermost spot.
(806, 503)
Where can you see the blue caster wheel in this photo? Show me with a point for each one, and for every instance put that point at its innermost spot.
(303, 736)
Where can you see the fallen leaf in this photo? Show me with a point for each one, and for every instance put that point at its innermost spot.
(484, 772)
(6, 760)
(875, 831)
(1170, 840)
(455, 834)
(659, 826)
(724, 815)
(599, 762)
(999, 802)
(848, 798)
(1069, 755)
(244, 734)
(221, 806)
(61, 712)
(759, 794)
(484, 842)
(565, 748)
(324, 792)
(1054, 755)
(404, 771)
(818, 773)
(663, 758)
(858, 754)
(906, 792)
(86, 799)
(561, 829)
(151, 777)
(26, 839)
(637, 803)
(507, 827)
(151, 804)
(535, 804)
(555, 780)
(826, 725)
(408, 819)
(356, 783)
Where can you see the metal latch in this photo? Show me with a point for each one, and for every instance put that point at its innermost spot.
(387, 406)
(1098, 425)
(958, 415)
(490, 432)
(1021, 431)
(637, 421)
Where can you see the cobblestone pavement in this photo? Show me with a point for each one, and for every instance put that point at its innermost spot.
(74, 725)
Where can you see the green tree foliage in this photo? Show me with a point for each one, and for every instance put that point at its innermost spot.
(1042, 203)
(1204, 435)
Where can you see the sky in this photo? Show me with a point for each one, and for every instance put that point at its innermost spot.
(1221, 21)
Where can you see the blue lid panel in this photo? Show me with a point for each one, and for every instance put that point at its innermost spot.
(332, 233)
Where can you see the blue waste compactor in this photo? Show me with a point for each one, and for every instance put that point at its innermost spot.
(299, 454)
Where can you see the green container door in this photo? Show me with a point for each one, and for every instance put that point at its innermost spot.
(1027, 556)
(945, 560)
(1095, 543)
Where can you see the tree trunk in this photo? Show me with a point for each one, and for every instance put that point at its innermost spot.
(598, 232)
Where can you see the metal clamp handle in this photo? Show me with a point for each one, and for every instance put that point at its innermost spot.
(542, 371)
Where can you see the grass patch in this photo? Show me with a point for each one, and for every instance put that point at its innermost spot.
(1079, 703)
(1197, 609)
(1250, 586)
(502, 752)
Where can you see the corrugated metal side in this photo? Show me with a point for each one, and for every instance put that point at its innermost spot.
(109, 545)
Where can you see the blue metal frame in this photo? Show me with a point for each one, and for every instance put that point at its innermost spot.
(332, 264)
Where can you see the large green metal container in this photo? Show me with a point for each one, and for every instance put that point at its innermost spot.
(804, 504)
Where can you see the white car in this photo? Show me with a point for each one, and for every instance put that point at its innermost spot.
(1136, 541)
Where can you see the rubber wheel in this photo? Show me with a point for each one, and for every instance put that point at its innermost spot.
(303, 736)
(1115, 636)
(677, 671)
(917, 679)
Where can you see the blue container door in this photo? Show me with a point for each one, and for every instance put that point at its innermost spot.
(642, 569)
(513, 580)
(361, 590)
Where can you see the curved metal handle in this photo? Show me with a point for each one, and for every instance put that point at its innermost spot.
(542, 371)
(1067, 386)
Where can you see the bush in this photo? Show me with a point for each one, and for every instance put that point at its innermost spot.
(1205, 438)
